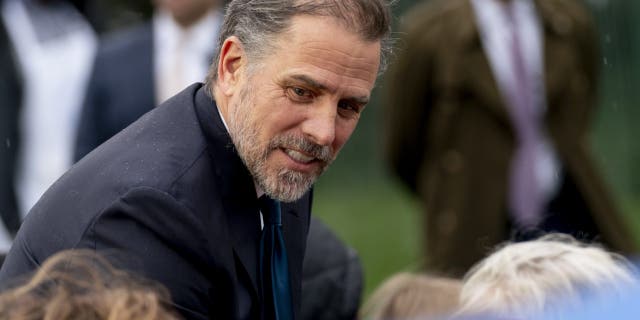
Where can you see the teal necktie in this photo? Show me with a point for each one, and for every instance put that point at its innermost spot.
(274, 266)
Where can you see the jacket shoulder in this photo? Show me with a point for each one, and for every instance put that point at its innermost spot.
(431, 14)
(433, 23)
(153, 151)
(564, 14)
(124, 41)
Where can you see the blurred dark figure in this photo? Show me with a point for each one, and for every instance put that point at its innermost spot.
(41, 94)
(137, 69)
(489, 109)
(111, 15)
(10, 102)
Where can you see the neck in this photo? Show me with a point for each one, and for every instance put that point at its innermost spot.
(186, 22)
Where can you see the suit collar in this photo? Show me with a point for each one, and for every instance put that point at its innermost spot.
(467, 30)
(556, 26)
(235, 180)
(236, 185)
(473, 57)
(240, 200)
(555, 20)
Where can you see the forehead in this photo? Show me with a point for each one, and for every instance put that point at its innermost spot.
(325, 50)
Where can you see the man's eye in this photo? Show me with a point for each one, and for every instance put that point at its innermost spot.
(300, 94)
(348, 106)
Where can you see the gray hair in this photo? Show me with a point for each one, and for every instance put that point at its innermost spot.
(257, 23)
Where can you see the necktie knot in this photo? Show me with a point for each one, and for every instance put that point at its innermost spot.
(270, 209)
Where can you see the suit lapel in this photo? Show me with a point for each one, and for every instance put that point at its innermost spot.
(237, 188)
(244, 227)
(476, 71)
(481, 79)
(557, 50)
(295, 226)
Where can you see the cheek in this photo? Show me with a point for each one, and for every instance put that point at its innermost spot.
(284, 117)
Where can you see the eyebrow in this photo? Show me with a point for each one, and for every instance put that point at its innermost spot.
(310, 82)
(321, 87)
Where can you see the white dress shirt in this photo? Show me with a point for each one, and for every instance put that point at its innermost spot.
(182, 56)
(496, 35)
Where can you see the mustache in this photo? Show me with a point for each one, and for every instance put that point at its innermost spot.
(291, 141)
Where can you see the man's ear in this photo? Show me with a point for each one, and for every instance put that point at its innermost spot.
(230, 66)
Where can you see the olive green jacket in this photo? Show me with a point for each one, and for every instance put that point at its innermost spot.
(450, 138)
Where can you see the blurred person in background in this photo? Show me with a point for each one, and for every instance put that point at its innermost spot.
(80, 284)
(10, 103)
(489, 107)
(47, 48)
(413, 296)
(107, 16)
(140, 67)
(544, 277)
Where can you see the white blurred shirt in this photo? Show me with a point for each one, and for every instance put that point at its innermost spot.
(55, 48)
(182, 56)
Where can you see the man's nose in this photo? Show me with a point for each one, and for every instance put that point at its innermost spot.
(320, 125)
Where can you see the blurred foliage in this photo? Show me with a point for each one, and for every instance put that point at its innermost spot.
(615, 128)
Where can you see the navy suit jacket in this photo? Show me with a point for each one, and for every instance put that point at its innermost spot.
(172, 195)
(121, 87)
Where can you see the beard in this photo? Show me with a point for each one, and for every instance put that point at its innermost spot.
(278, 182)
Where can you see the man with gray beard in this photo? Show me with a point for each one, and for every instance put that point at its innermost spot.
(209, 193)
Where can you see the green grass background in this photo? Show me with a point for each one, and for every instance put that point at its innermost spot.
(378, 220)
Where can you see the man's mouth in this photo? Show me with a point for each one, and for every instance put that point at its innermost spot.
(298, 156)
